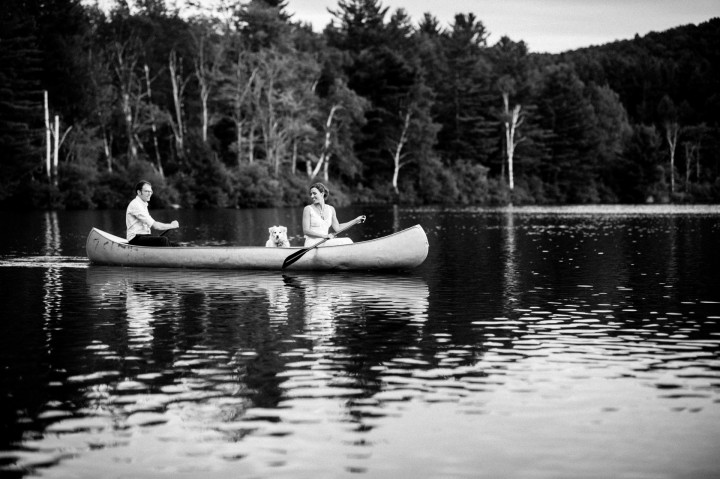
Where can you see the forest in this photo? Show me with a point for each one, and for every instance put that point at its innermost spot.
(240, 106)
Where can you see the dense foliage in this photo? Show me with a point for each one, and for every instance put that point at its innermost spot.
(245, 107)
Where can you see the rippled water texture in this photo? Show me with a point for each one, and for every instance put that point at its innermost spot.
(533, 343)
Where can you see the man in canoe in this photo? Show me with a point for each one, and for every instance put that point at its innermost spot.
(139, 221)
(318, 217)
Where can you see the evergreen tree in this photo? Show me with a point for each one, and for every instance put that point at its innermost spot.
(463, 96)
(567, 114)
(644, 178)
(63, 31)
(21, 127)
(611, 134)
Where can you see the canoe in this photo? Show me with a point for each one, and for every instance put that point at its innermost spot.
(405, 249)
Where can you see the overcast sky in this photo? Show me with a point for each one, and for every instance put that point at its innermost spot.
(545, 25)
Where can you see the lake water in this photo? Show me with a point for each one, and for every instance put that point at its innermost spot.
(532, 343)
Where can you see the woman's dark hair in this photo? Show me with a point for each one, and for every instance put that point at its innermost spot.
(140, 185)
(321, 188)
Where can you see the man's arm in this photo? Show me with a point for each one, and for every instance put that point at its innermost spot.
(165, 226)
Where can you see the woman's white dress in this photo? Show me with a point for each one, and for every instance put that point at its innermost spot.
(318, 223)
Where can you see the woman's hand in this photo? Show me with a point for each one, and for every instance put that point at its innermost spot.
(361, 218)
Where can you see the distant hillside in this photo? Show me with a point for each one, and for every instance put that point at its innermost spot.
(683, 63)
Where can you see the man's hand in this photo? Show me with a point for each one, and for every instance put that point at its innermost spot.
(174, 224)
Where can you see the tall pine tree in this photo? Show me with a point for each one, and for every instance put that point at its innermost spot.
(21, 127)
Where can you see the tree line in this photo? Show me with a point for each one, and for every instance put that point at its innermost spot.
(241, 106)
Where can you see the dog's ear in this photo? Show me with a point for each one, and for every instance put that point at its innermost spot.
(283, 229)
(270, 229)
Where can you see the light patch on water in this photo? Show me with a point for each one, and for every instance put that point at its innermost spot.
(44, 262)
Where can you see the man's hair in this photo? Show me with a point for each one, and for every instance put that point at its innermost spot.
(140, 185)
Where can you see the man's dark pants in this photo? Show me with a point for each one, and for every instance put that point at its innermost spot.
(150, 240)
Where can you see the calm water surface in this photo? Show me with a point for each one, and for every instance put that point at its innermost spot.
(533, 343)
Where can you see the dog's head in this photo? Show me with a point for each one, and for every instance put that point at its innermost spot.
(278, 234)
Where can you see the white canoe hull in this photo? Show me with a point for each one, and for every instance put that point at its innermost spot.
(402, 250)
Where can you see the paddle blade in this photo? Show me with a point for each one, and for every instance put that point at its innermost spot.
(294, 257)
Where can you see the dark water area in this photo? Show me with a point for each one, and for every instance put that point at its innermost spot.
(533, 342)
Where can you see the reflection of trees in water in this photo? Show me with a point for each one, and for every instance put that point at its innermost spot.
(510, 272)
(256, 322)
(374, 339)
(30, 357)
(52, 283)
(356, 323)
(190, 319)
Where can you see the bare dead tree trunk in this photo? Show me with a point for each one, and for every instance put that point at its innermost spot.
(271, 125)
(671, 135)
(125, 71)
(203, 80)
(277, 147)
(48, 139)
(153, 125)
(325, 153)
(107, 141)
(57, 143)
(204, 96)
(512, 122)
(242, 88)
(107, 147)
(56, 150)
(129, 129)
(239, 141)
(251, 144)
(178, 86)
(398, 152)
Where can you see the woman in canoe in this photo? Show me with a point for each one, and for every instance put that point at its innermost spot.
(318, 217)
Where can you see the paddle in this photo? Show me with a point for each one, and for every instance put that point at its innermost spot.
(166, 232)
(299, 254)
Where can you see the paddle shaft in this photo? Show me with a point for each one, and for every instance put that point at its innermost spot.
(299, 254)
(167, 231)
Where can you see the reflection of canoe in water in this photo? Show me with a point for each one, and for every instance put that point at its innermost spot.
(386, 292)
(402, 250)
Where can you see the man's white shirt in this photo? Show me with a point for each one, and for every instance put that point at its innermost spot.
(137, 218)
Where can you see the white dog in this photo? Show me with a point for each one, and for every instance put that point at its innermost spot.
(278, 237)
